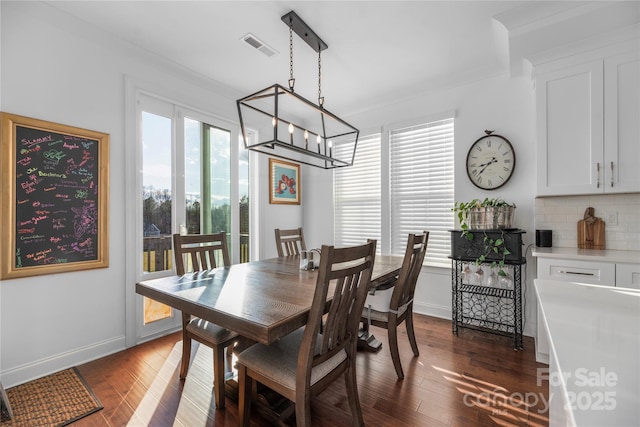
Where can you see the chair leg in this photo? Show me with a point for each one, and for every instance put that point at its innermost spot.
(186, 347)
(244, 395)
(411, 334)
(303, 408)
(352, 395)
(218, 375)
(392, 328)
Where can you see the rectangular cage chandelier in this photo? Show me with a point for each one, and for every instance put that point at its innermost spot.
(279, 122)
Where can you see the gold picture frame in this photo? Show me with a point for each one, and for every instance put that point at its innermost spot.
(54, 197)
(284, 182)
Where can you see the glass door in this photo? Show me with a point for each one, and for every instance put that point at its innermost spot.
(193, 180)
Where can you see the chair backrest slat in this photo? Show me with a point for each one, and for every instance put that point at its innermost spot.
(411, 265)
(349, 271)
(290, 242)
(197, 252)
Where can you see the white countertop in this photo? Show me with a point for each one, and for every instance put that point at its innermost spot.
(594, 340)
(606, 255)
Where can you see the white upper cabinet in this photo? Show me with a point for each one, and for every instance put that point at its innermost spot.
(570, 129)
(622, 123)
(589, 127)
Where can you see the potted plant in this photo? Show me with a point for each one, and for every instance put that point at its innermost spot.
(489, 218)
(487, 214)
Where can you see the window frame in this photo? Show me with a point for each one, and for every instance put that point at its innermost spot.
(443, 239)
(363, 178)
(136, 332)
(385, 245)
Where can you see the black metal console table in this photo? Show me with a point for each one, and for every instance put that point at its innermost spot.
(484, 304)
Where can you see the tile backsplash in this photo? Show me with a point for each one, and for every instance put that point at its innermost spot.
(562, 213)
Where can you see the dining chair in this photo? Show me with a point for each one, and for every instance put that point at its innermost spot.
(400, 305)
(290, 242)
(197, 252)
(306, 361)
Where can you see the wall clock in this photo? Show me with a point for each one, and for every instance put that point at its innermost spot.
(490, 161)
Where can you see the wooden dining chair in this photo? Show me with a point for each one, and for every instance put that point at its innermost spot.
(400, 307)
(290, 242)
(197, 252)
(305, 362)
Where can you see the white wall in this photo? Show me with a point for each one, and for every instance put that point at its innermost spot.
(57, 69)
(274, 216)
(503, 104)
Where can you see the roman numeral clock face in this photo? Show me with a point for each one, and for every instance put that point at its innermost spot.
(490, 162)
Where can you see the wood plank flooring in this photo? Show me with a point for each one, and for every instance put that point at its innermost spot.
(474, 379)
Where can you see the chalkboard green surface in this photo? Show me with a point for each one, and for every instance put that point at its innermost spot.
(56, 213)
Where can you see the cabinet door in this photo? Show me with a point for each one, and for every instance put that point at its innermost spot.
(622, 124)
(570, 130)
(628, 275)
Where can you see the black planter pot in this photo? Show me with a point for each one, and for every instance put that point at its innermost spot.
(469, 250)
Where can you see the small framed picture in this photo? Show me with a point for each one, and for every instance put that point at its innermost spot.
(284, 182)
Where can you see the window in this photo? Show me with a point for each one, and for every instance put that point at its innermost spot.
(421, 187)
(157, 190)
(419, 195)
(357, 196)
(194, 179)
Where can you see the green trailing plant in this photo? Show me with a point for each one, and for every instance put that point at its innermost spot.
(492, 246)
(497, 246)
(463, 210)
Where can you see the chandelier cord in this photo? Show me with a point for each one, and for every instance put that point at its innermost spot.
(320, 97)
(291, 79)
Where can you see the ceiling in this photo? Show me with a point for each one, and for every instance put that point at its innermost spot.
(379, 51)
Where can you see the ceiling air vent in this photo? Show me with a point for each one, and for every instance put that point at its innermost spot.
(256, 43)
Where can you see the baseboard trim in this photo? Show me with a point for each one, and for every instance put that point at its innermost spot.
(39, 368)
(443, 312)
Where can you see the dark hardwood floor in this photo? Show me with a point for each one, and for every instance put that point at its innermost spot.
(474, 379)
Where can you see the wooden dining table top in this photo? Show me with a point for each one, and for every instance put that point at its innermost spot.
(261, 300)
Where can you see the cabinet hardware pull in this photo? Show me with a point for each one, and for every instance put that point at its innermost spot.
(575, 272)
(598, 175)
(611, 174)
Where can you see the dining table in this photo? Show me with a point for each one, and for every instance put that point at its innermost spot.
(261, 300)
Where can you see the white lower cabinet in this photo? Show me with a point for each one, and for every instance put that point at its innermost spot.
(542, 340)
(626, 275)
(593, 273)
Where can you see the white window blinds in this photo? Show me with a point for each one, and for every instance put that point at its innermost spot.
(357, 199)
(422, 187)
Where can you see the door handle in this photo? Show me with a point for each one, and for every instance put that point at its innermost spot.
(611, 174)
(575, 272)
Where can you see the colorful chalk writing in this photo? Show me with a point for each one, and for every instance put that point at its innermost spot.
(57, 198)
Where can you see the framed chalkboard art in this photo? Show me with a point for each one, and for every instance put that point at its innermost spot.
(54, 196)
